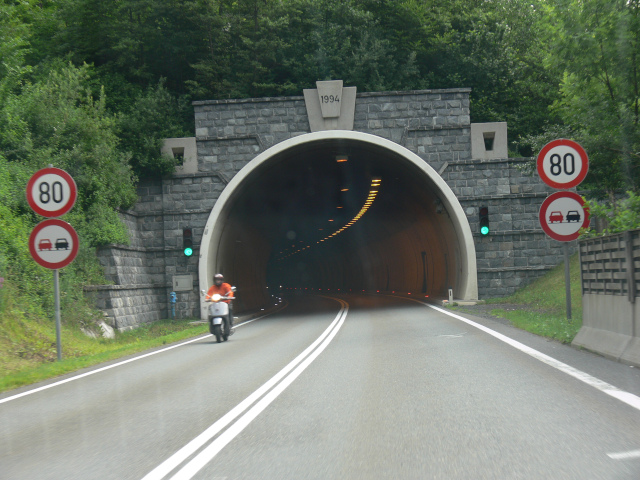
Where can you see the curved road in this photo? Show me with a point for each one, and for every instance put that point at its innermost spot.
(357, 387)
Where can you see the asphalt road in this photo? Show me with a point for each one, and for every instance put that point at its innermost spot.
(366, 387)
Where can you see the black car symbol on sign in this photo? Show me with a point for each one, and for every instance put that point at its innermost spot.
(573, 216)
(62, 244)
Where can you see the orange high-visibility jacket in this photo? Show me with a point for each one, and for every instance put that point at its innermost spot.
(223, 290)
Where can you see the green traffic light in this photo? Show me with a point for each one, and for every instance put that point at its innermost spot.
(188, 251)
(484, 230)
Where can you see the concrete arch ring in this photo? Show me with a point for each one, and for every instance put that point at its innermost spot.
(468, 286)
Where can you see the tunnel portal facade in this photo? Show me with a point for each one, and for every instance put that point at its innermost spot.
(253, 158)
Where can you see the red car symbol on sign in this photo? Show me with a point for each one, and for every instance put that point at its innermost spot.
(45, 244)
(556, 217)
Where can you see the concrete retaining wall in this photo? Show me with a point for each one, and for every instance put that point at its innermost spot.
(611, 318)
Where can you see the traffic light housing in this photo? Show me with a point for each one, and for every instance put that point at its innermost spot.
(187, 241)
(484, 220)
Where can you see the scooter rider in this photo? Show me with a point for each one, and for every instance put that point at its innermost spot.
(223, 289)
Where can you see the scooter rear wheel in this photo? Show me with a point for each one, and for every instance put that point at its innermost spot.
(225, 332)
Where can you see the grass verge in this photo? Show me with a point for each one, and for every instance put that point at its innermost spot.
(23, 363)
(540, 307)
(541, 323)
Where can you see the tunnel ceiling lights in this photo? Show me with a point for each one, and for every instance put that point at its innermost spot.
(373, 192)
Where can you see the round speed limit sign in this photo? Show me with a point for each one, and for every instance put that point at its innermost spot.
(562, 164)
(51, 192)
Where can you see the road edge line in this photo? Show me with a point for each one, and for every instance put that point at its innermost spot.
(611, 390)
(123, 362)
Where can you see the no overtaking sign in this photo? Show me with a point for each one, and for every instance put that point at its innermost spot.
(563, 215)
(53, 243)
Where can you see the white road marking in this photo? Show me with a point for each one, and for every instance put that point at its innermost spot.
(624, 455)
(261, 317)
(124, 362)
(200, 460)
(626, 397)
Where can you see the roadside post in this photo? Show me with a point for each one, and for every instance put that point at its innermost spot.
(53, 243)
(172, 299)
(563, 164)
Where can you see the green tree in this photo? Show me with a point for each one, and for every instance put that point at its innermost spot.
(154, 116)
(595, 44)
(55, 120)
(492, 46)
(619, 216)
(14, 47)
(247, 48)
(143, 40)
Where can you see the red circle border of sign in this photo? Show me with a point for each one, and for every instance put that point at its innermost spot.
(570, 143)
(543, 213)
(72, 187)
(68, 228)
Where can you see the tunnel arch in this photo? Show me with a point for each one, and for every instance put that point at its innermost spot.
(212, 242)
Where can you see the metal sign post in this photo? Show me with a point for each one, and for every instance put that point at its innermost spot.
(56, 294)
(567, 280)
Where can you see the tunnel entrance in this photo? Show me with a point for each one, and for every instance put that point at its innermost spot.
(339, 210)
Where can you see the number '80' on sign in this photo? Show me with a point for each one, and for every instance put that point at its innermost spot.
(51, 192)
(562, 164)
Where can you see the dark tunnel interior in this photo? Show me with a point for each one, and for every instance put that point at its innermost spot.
(339, 216)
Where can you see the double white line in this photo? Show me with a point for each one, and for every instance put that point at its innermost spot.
(264, 395)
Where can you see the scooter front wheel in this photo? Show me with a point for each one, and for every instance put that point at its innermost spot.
(217, 331)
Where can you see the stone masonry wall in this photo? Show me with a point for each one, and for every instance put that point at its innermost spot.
(434, 124)
(517, 250)
(146, 267)
(129, 306)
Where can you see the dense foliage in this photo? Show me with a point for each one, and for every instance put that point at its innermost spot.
(93, 86)
(619, 215)
(594, 48)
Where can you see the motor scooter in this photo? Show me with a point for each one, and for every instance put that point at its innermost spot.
(219, 317)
